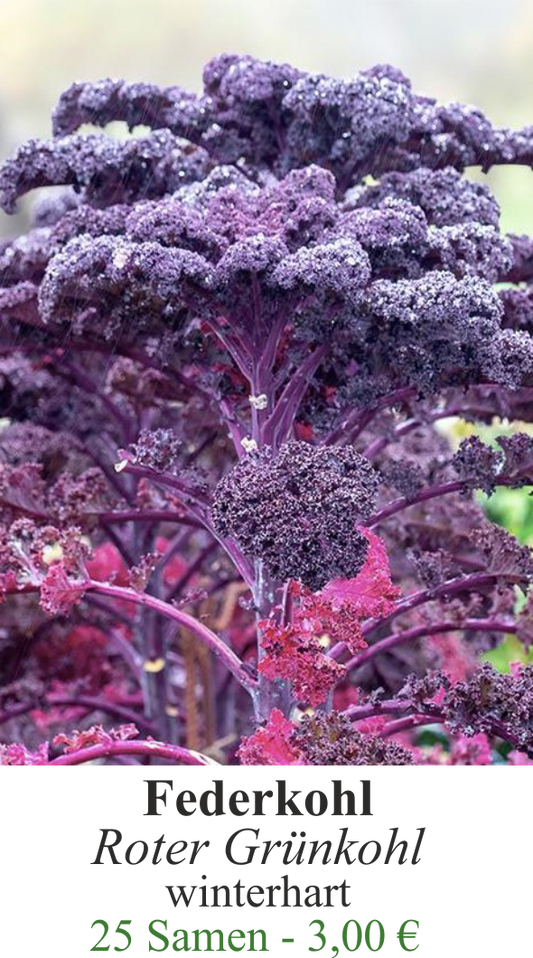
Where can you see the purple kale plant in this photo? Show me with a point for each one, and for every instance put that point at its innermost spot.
(230, 521)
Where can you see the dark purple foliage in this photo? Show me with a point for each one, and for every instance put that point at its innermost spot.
(226, 343)
(298, 511)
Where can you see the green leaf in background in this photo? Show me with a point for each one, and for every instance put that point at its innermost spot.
(507, 652)
(510, 508)
(513, 509)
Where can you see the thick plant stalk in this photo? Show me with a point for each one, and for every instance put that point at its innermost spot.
(270, 694)
(141, 749)
(214, 642)
(433, 628)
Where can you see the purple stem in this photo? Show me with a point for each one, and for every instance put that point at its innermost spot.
(101, 705)
(86, 383)
(183, 619)
(235, 427)
(199, 513)
(432, 713)
(398, 638)
(201, 448)
(149, 515)
(379, 444)
(415, 599)
(432, 492)
(166, 479)
(111, 476)
(386, 706)
(266, 362)
(235, 346)
(279, 423)
(467, 583)
(118, 543)
(86, 702)
(27, 510)
(176, 545)
(360, 416)
(403, 502)
(192, 569)
(406, 723)
(144, 749)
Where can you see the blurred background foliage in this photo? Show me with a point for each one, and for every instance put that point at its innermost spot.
(476, 51)
(511, 508)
